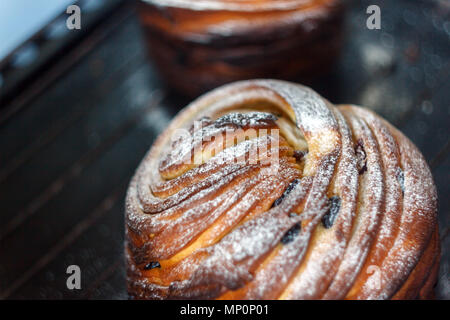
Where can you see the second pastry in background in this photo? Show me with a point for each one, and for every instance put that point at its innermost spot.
(199, 45)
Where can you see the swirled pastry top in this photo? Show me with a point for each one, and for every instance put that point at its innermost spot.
(264, 190)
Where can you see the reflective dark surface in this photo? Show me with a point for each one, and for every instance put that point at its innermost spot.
(77, 135)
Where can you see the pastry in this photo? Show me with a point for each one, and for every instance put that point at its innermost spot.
(198, 45)
(263, 189)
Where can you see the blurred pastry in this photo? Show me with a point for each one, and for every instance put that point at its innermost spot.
(198, 45)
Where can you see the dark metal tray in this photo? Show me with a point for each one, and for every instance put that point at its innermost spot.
(71, 139)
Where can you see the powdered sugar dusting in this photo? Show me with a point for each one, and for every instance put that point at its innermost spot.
(213, 231)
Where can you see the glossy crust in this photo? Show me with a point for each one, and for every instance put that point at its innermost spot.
(349, 214)
(199, 45)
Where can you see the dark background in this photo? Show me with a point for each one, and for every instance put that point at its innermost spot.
(75, 124)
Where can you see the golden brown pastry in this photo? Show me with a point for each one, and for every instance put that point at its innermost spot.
(334, 204)
(200, 44)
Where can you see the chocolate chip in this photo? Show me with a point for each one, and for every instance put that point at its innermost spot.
(290, 235)
(286, 192)
(152, 265)
(401, 179)
(299, 155)
(361, 162)
(330, 216)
